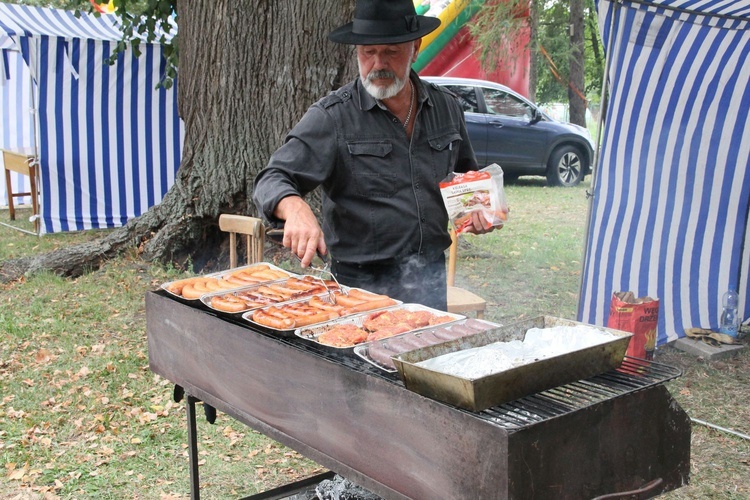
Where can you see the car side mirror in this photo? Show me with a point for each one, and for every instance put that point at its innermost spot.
(536, 116)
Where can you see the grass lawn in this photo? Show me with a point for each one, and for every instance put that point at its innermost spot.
(82, 416)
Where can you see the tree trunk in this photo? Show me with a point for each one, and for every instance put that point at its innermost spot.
(576, 89)
(533, 48)
(248, 71)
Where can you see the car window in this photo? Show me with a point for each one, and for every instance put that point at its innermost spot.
(502, 103)
(467, 97)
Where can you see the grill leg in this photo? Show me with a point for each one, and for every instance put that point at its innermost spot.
(195, 492)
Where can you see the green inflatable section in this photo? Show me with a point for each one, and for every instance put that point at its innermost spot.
(428, 53)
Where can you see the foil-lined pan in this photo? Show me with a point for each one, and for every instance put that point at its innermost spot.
(267, 294)
(313, 333)
(328, 298)
(380, 353)
(507, 385)
(170, 286)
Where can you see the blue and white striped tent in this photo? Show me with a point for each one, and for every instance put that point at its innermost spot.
(669, 217)
(109, 142)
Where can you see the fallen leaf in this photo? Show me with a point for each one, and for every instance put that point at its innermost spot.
(16, 475)
(43, 355)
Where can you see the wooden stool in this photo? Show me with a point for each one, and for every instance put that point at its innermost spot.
(23, 162)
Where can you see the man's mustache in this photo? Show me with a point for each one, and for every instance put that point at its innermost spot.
(380, 73)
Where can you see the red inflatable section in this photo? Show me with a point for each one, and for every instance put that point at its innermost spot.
(459, 58)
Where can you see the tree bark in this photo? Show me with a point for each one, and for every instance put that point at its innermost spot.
(248, 71)
(576, 89)
(533, 48)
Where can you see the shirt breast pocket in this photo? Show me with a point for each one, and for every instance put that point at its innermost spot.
(371, 167)
(444, 148)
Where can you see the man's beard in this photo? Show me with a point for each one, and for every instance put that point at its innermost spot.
(379, 92)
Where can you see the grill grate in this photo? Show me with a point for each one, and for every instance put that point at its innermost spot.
(634, 374)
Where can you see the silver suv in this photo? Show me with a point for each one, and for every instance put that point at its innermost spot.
(508, 129)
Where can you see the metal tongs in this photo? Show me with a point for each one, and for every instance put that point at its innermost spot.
(277, 236)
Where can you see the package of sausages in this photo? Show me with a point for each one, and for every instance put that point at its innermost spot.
(475, 191)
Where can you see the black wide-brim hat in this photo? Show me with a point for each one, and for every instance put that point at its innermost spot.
(384, 22)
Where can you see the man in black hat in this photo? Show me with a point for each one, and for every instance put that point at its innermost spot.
(379, 146)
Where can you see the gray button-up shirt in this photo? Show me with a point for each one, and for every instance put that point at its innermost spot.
(381, 197)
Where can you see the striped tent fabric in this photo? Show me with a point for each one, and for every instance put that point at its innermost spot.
(17, 126)
(109, 140)
(669, 215)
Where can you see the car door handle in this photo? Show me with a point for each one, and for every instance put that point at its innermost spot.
(495, 123)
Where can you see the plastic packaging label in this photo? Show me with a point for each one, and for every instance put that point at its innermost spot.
(482, 190)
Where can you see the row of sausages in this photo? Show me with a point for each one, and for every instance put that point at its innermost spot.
(380, 325)
(269, 294)
(198, 286)
(382, 351)
(319, 310)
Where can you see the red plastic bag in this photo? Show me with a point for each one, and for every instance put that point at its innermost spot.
(638, 316)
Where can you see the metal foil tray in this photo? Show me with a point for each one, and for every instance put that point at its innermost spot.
(270, 300)
(363, 351)
(291, 332)
(498, 388)
(313, 332)
(221, 275)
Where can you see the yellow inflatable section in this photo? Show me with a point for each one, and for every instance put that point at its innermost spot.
(446, 16)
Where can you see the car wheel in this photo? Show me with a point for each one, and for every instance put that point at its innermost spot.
(566, 167)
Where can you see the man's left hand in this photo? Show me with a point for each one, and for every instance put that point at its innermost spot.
(479, 224)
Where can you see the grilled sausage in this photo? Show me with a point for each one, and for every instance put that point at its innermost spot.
(319, 303)
(430, 337)
(361, 294)
(263, 318)
(194, 290)
(314, 318)
(369, 305)
(346, 301)
(403, 343)
(381, 355)
(477, 325)
(177, 287)
(446, 334)
(228, 303)
(461, 330)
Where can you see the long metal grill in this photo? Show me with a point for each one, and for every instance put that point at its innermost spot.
(634, 374)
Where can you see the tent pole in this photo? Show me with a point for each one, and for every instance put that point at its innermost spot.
(594, 167)
(34, 125)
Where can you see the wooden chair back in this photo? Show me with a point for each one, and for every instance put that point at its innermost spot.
(254, 232)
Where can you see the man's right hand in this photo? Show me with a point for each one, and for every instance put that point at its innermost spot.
(302, 233)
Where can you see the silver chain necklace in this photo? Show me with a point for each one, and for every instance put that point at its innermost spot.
(411, 104)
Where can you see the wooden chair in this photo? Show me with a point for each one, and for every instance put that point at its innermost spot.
(23, 162)
(253, 230)
(461, 301)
